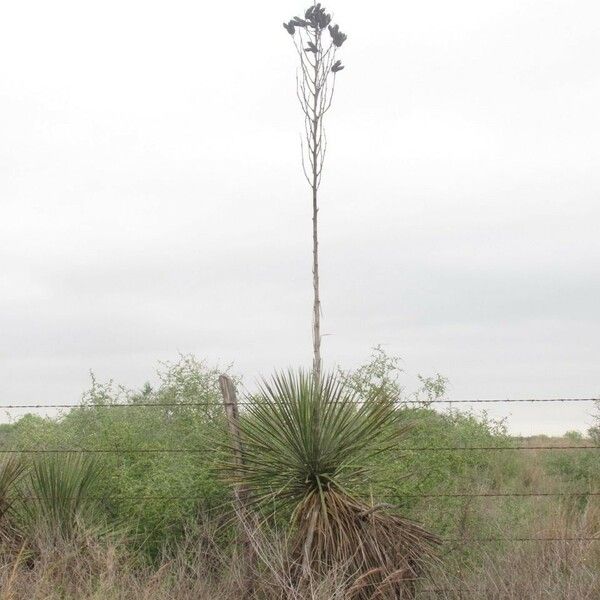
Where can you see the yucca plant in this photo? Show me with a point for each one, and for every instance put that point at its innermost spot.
(59, 500)
(305, 445)
(11, 470)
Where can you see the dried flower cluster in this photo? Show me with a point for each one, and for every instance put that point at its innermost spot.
(317, 19)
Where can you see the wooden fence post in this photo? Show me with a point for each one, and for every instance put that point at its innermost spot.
(233, 416)
(240, 493)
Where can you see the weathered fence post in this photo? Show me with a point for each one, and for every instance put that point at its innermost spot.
(240, 493)
(233, 416)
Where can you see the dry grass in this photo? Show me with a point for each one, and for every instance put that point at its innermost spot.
(565, 570)
(95, 570)
(89, 569)
(537, 572)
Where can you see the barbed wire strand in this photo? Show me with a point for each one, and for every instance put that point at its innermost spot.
(256, 403)
(203, 450)
(399, 496)
(502, 495)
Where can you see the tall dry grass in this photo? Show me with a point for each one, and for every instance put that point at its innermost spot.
(98, 569)
(564, 569)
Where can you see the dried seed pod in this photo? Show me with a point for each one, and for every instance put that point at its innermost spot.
(341, 39)
(337, 36)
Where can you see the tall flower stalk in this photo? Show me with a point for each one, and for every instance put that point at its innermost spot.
(316, 41)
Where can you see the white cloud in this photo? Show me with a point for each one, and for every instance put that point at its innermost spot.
(152, 200)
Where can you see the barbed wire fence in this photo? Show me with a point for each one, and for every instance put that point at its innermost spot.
(250, 402)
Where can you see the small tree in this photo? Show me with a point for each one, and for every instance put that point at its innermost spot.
(316, 41)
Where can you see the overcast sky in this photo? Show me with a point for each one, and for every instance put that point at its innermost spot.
(152, 200)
